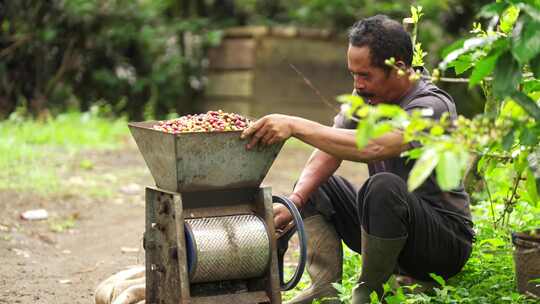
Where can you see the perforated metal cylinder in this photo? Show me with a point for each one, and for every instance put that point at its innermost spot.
(228, 247)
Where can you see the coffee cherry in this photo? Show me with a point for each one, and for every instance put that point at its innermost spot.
(211, 121)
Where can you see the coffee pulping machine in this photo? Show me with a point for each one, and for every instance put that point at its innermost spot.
(209, 233)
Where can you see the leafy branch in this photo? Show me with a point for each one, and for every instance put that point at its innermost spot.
(504, 60)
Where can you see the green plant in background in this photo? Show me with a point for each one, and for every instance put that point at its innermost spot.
(147, 58)
(500, 147)
(135, 55)
(505, 137)
(29, 144)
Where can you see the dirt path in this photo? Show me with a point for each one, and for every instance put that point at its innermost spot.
(96, 234)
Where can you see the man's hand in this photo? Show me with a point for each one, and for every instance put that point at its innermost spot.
(269, 130)
(282, 216)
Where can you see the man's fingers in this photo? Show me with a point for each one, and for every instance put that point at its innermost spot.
(267, 137)
(273, 140)
(257, 136)
(253, 128)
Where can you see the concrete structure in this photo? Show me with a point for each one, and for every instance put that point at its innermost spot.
(252, 72)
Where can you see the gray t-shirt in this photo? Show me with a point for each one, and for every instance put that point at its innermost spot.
(422, 95)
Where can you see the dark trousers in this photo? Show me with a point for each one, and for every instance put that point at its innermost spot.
(437, 242)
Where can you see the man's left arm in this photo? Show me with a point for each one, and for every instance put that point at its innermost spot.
(340, 143)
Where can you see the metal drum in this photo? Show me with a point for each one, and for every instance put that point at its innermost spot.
(227, 248)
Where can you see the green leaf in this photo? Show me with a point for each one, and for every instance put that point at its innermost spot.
(483, 68)
(530, 137)
(532, 190)
(508, 140)
(535, 66)
(493, 9)
(374, 298)
(352, 99)
(422, 168)
(526, 43)
(413, 153)
(531, 11)
(396, 299)
(494, 243)
(461, 66)
(468, 46)
(534, 164)
(508, 18)
(531, 86)
(506, 76)
(527, 104)
(520, 164)
(436, 130)
(454, 46)
(364, 132)
(438, 279)
(448, 170)
(381, 129)
(390, 111)
(214, 38)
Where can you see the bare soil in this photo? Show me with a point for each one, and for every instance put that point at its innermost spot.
(95, 224)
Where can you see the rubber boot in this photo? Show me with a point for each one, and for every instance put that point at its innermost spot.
(379, 258)
(426, 287)
(324, 262)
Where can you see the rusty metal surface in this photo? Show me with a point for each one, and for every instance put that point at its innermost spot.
(244, 298)
(158, 152)
(201, 161)
(229, 248)
(264, 204)
(166, 265)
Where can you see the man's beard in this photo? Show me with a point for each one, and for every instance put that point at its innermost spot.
(363, 94)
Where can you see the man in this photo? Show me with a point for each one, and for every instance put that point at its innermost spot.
(426, 231)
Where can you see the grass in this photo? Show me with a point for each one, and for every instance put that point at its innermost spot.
(296, 143)
(33, 153)
(488, 276)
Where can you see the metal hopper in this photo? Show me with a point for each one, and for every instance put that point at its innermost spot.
(201, 161)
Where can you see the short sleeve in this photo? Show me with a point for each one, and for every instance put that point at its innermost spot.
(434, 106)
(342, 119)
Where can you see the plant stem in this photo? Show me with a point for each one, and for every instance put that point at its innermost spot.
(490, 201)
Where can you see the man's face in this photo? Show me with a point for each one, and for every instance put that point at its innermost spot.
(370, 82)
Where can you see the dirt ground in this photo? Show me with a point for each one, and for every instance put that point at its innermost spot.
(89, 237)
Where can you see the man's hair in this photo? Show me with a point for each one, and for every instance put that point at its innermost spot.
(385, 38)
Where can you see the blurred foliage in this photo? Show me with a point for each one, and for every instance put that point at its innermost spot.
(28, 144)
(500, 148)
(502, 59)
(147, 58)
(139, 56)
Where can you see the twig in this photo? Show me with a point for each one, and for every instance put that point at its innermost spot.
(308, 82)
(490, 201)
(14, 45)
(462, 80)
(63, 67)
(508, 202)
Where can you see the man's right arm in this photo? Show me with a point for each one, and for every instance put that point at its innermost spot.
(319, 167)
(317, 170)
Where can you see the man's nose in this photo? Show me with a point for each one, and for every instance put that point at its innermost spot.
(359, 84)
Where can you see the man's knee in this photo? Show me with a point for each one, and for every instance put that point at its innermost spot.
(322, 200)
(383, 201)
(384, 188)
(384, 181)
